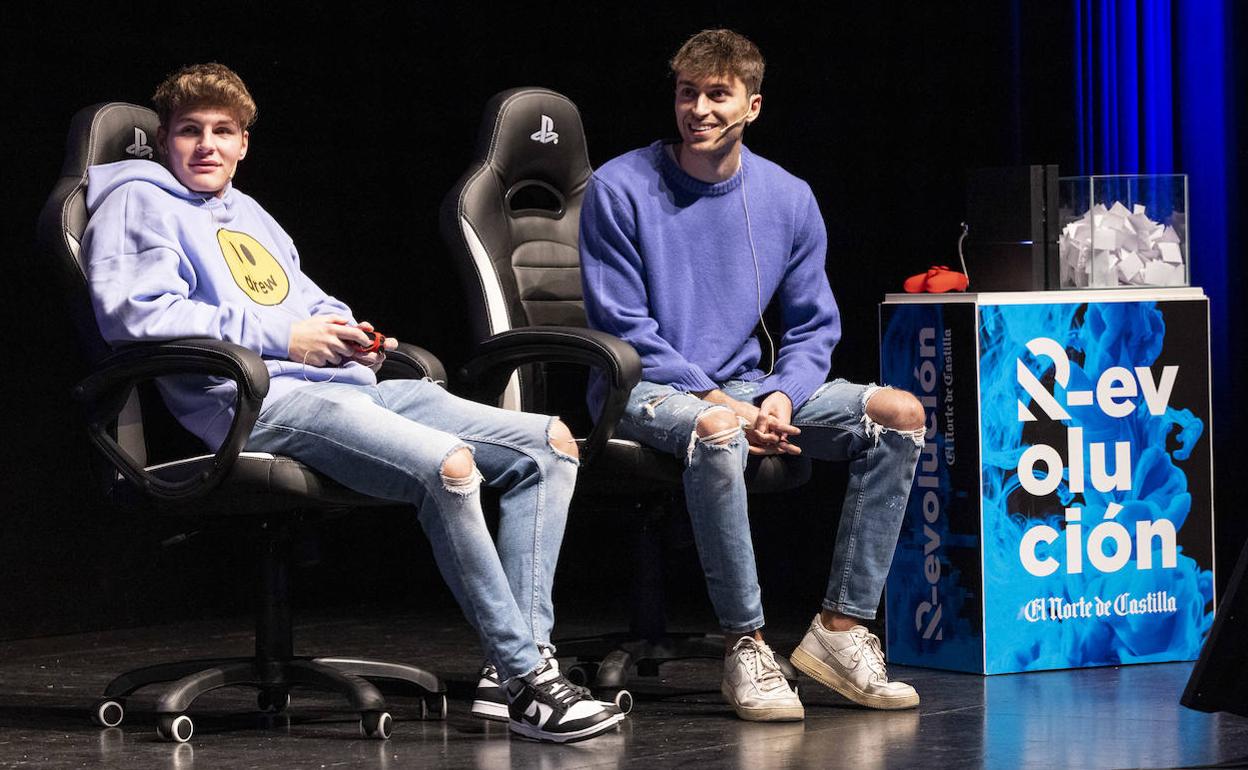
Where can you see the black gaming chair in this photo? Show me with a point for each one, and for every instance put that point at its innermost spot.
(262, 495)
(511, 224)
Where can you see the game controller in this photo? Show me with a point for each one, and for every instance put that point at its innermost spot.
(938, 279)
(378, 339)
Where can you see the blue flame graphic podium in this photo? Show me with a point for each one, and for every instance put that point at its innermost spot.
(1062, 510)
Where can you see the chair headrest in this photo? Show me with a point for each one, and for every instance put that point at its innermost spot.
(101, 133)
(534, 134)
(104, 133)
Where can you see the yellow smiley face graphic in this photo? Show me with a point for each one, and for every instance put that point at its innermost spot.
(254, 269)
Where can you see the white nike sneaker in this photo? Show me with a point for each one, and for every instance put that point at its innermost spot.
(755, 687)
(851, 663)
(544, 706)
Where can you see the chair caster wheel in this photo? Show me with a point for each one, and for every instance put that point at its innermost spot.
(109, 712)
(433, 706)
(582, 674)
(272, 701)
(175, 727)
(376, 724)
(623, 699)
(787, 669)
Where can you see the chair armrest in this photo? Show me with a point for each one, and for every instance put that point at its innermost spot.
(104, 394)
(496, 358)
(412, 363)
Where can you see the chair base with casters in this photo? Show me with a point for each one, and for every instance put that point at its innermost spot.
(607, 662)
(274, 671)
(266, 494)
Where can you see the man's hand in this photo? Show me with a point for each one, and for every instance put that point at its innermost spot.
(773, 427)
(375, 359)
(745, 411)
(325, 340)
(767, 426)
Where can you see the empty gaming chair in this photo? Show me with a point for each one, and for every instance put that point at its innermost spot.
(261, 496)
(511, 224)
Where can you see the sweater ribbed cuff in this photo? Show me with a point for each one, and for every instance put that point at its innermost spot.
(275, 340)
(693, 380)
(799, 393)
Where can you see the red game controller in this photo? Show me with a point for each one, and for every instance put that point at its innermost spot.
(378, 339)
(938, 279)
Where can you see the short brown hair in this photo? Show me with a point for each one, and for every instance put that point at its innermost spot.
(204, 85)
(721, 52)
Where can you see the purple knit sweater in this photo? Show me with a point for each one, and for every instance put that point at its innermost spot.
(666, 265)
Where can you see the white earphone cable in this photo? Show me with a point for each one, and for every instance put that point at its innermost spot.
(758, 280)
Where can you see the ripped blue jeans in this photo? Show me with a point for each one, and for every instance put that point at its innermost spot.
(390, 441)
(834, 426)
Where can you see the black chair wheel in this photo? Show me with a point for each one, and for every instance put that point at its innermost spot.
(376, 724)
(175, 727)
(582, 674)
(108, 712)
(433, 706)
(273, 701)
(622, 699)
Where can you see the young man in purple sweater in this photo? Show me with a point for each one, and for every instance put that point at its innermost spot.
(683, 244)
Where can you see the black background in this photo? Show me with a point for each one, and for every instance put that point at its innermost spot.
(368, 115)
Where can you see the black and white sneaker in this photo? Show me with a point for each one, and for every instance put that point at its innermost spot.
(544, 706)
(490, 701)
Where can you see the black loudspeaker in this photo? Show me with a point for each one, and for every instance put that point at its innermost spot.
(1013, 220)
(1219, 682)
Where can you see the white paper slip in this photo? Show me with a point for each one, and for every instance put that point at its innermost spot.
(1130, 265)
(1170, 252)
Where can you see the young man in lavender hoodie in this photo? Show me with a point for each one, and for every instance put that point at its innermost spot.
(173, 250)
(683, 244)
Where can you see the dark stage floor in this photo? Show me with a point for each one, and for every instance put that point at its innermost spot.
(1110, 717)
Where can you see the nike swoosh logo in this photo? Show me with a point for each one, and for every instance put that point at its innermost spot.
(532, 715)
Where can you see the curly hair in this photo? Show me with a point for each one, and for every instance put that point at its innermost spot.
(721, 52)
(204, 85)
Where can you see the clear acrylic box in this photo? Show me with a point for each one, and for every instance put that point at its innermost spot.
(1123, 231)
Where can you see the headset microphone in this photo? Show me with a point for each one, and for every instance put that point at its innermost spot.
(736, 122)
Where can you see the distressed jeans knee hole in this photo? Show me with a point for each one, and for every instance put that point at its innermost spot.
(461, 485)
(722, 440)
(874, 429)
(551, 442)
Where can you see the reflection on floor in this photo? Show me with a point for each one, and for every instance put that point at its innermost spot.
(1110, 717)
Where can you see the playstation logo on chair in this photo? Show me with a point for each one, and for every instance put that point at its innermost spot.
(140, 148)
(546, 134)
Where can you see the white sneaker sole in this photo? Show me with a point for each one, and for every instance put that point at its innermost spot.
(535, 733)
(825, 675)
(487, 709)
(764, 713)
